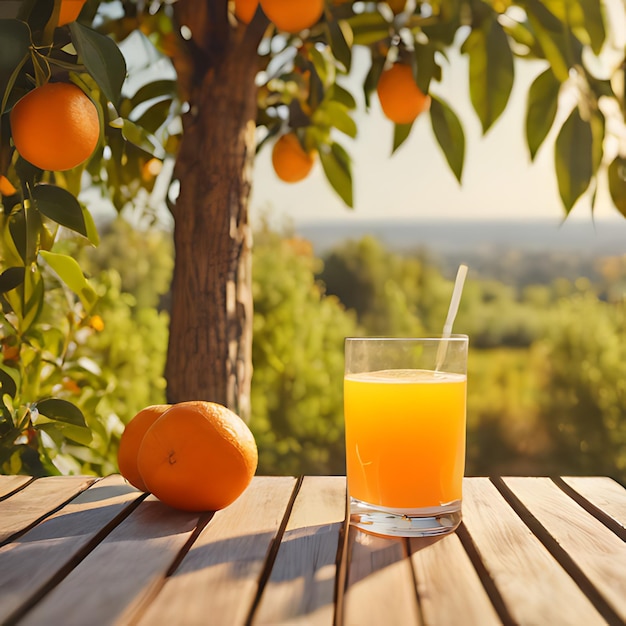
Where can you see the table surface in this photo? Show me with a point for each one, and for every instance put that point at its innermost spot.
(79, 550)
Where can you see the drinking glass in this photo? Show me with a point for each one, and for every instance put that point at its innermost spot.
(405, 406)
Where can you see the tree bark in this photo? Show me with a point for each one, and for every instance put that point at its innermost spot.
(210, 341)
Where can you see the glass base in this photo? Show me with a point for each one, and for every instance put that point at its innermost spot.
(425, 522)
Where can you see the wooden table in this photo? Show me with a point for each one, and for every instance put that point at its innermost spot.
(76, 550)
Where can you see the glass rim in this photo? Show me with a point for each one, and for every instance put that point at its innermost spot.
(452, 337)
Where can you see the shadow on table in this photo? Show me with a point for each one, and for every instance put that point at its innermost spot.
(369, 553)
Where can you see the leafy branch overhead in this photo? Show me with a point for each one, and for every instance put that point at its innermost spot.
(304, 74)
(60, 85)
(581, 71)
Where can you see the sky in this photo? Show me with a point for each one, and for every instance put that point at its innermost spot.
(499, 180)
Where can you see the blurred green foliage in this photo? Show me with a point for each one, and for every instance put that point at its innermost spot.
(547, 367)
(108, 364)
(583, 404)
(297, 393)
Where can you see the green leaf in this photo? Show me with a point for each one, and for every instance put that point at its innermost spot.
(427, 67)
(339, 117)
(36, 12)
(584, 17)
(102, 58)
(561, 49)
(297, 117)
(17, 230)
(9, 381)
(14, 45)
(11, 278)
(80, 435)
(541, 108)
(401, 133)
(521, 33)
(70, 273)
(600, 87)
(59, 432)
(369, 27)
(597, 124)
(449, 133)
(491, 71)
(320, 65)
(573, 159)
(60, 206)
(340, 94)
(33, 297)
(61, 411)
(155, 116)
(92, 229)
(317, 89)
(27, 172)
(338, 44)
(151, 91)
(617, 183)
(371, 79)
(593, 23)
(139, 137)
(336, 165)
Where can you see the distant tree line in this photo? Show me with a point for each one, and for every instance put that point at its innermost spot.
(547, 367)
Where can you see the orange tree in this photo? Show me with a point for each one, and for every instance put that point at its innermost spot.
(243, 75)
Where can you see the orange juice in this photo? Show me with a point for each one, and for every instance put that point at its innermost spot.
(405, 437)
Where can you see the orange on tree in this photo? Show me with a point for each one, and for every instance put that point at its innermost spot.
(6, 186)
(400, 98)
(55, 127)
(290, 160)
(397, 6)
(131, 440)
(198, 456)
(10, 352)
(293, 16)
(245, 10)
(70, 10)
(70, 385)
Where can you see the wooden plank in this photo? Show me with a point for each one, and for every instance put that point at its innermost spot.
(122, 569)
(604, 493)
(37, 500)
(301, 587)
(449, 589)
(379, 582)
(597, 551)
(217, 580)
(8, 484)
(32, 563)
(527, 581)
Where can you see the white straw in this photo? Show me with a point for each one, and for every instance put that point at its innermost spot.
(452, 311)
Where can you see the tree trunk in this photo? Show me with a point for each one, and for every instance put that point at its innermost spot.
(209, 351)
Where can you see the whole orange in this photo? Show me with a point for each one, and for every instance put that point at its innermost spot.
(245, 10)
(198, 456)
(70, 10)
(293, 16)
(55, 127)
(400, 97)
(131, 440)
(291, 162)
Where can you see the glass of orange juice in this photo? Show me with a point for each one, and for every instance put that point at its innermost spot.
(404, 407)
